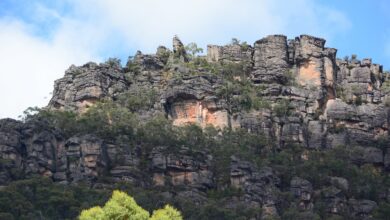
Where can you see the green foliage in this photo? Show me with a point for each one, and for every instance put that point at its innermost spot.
(108, 120)
(224, 193)
(235, 41)
(383, 211)
(132, 67)
(157, 132)
(65, 120)
(242, 95)
(239, 143)
(200, 66)
(229, 70)
(166, 213)
(282, 108)
(386, 86)
(164, 55)
(94, 213)
(141, 99)
(341, 93)
(232, 69)
(123, 207)
(193, 49)
(114, 62)
(358, 100)
(290, 79)
(244, 45)
(39, 198)
(29, 113)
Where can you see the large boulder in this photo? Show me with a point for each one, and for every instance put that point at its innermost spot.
(270, 60)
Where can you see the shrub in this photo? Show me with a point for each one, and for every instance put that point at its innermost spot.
(114, 62)
(193, 49)
(282, 108)
(107, 120)
(141, 99)
(123, 207)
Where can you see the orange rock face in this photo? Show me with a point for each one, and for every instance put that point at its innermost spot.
(329, 72)
(194, 111)
(159, 179)
(309, 75)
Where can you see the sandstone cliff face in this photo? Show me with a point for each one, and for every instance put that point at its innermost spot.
(322, 91)
(82, 86)
(315, 100)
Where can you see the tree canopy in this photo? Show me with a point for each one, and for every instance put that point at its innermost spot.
(123, 207)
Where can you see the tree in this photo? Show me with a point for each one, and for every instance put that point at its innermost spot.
(193, 49)
(108, 120)
(235, 41)
(123, 207)
(94, 213)
(226, 92)
(114, 62)
(167, 213)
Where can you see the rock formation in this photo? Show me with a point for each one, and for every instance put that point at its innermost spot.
(315, 100)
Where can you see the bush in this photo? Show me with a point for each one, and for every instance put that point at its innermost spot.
(141, 99)
(123, 207)
(282, 108)
(114, 62)
(108, 121)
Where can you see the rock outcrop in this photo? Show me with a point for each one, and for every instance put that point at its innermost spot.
(312, 99)
(331, 101)
(82, 86)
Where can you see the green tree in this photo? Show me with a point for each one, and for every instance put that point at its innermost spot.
(226, 92)
(193, 49)
(114, 62)
(94, 213)
(108, 120)
(123, 207)
(166, 213)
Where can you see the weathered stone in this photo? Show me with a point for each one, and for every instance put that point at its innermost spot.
(86, 158)
(148, 62)
(230, 53)
(259, 185)
(335, 200)
(302, 189)
(340, 183)
(362, 208)
(179, 52)
(270, 60)
(181, 169)
(82, 86)
(362, 155)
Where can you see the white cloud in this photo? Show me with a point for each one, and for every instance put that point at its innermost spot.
(148, 23)
(29, 64)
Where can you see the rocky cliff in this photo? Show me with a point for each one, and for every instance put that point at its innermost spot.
(323, 93)
(289, 92)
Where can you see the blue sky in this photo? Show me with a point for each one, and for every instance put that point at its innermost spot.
(39, 39)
